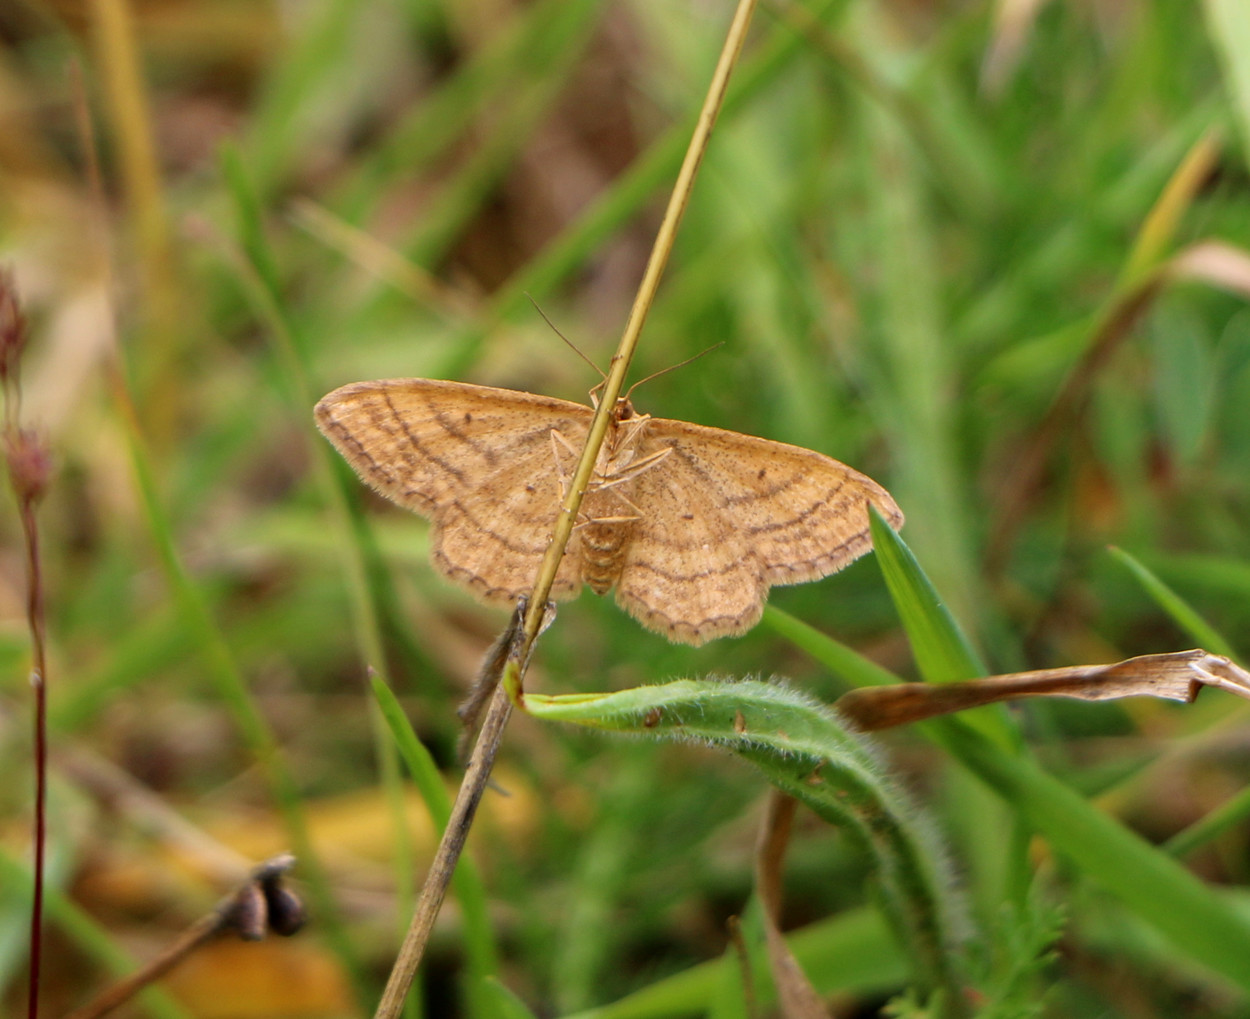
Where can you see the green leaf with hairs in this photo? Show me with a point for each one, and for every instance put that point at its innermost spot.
(804, 750)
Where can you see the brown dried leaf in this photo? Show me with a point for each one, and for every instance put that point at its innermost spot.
(1177, 676)
(1222, 265)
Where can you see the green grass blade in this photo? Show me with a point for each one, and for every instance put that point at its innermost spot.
(1181, 612)
(1229, 24)
(913, 366)
(223, 671)
(840, 659)
(1177, 903)
(943, 654)
(86, 933)
(261, 281)
(853, 951)
(1198, 921)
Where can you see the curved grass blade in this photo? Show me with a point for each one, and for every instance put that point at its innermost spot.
(803, 750)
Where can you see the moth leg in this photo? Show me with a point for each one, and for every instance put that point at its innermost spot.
(633, 470)
(587, 520)
(636, 515)
(557, 441)
(632, 428)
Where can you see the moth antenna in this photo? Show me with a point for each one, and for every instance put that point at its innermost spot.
(573, 346)
(672, 368)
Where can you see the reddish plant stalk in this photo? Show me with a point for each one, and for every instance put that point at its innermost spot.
(35, 618)
(28, 467)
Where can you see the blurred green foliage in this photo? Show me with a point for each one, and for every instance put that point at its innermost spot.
(992, 254)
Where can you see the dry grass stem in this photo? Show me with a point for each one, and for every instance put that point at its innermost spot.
(438, 879)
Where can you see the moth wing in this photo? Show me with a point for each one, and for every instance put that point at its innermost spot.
(475, 460)
(685, 572)
(725, 516)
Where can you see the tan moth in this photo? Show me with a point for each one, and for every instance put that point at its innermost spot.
(691, 525)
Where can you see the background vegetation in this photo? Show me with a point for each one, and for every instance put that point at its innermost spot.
(991, 254)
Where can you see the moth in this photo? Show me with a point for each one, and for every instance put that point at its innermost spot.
(690, 525)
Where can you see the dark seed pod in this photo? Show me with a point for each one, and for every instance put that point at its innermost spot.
(286, 912)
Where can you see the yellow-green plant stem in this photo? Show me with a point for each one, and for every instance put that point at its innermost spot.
(478, 773)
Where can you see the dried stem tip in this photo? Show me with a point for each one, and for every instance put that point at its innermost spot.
(12, 327)
(29, 465)
(264, 904)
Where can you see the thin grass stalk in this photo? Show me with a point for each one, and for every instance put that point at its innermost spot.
(130, 117)
(258, 272)
(497, 715)
(258, 906)
(204, 930)
(195, 614)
